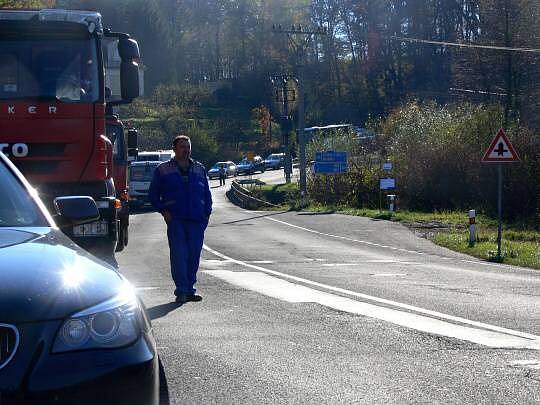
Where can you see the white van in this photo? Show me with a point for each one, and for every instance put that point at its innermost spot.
(140, 177)
(158, 155)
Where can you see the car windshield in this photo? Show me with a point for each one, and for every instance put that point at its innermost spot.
(141, 173)
(17, 208)
(37, 68)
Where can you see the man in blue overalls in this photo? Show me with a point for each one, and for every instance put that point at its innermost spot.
(180, 192)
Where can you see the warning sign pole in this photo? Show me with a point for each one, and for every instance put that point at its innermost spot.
(500, 151)
(499, 212)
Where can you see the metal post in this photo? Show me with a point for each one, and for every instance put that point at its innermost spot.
(499, 209)
(472, 227)
(285, 129)
(300, 129)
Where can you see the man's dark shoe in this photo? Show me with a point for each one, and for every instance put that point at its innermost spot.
(182, 299)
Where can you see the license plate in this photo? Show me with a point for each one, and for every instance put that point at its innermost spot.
(98, 228)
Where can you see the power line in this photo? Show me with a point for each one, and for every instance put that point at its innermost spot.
(463, 45)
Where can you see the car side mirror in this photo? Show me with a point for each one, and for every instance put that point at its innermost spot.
(77, 209)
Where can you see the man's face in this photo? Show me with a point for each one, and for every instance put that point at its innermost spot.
(182, 150)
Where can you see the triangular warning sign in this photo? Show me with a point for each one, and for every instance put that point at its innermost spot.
(501, 150)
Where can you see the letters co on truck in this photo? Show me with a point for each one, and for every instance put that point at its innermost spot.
(54, 108)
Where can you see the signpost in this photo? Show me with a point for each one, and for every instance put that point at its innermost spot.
(500, 151)
(387, 183)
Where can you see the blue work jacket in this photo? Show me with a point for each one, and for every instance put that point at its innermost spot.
(185, 197)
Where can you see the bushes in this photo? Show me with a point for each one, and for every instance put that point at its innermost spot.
(437, 150)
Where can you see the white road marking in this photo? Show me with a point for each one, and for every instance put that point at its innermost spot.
(146, 288)
(389, 274)
(291, 292)
(214, 262)
(491, 335)
(261, 261)
(532, 364)
(340, 264)
(382, 261)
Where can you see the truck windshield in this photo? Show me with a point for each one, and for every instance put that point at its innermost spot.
(62, 69)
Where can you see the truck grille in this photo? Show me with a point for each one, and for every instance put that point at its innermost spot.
(9, 341)
(36, 166)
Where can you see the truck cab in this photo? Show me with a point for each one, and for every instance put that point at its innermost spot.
(53, 110)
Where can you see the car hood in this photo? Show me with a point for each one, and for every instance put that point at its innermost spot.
(213, 170)
(45, 276)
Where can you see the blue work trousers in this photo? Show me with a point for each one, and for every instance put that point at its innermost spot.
(185, 245)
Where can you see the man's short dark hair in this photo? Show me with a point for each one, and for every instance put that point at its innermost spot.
(179, 138)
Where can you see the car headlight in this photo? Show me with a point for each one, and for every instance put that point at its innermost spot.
(113, 323)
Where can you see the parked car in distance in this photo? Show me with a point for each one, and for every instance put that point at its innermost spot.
(159, 156)
(72, 329)
(246, 166)
(230, 169)
(140, 177)
(274, 161)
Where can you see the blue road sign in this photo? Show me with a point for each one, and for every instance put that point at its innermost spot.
(330, 162)
(387, 183)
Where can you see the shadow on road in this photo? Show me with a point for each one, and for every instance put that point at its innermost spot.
(163, 387)
(162, 309)
(318, 213)
(141, 210)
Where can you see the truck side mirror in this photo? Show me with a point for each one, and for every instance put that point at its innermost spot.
(129, 80)
(132, 138)
(132, 144)
(128, 49)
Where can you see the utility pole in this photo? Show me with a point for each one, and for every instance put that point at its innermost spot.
(298, 39)
(283, 98)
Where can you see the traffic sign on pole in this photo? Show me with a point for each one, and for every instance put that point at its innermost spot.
(500, 150)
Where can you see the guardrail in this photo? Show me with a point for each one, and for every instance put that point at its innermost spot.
(242, 197)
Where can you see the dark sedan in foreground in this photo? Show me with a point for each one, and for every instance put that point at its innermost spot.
(72, 329)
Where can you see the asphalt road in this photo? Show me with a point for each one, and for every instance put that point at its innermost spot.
(326, 308)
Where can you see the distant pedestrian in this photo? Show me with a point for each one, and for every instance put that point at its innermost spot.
(180, 192)
(222, 175)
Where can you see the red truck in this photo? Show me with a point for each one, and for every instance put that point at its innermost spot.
(56, 121)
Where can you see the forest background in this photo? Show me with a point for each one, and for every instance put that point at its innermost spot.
(435, 108)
